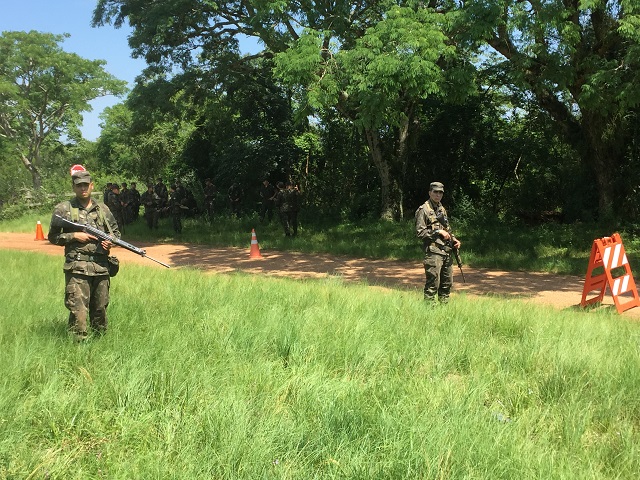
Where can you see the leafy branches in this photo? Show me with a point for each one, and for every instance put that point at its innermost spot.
(43, 90)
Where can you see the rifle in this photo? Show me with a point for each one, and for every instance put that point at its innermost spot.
(99, 234)
(456, 253)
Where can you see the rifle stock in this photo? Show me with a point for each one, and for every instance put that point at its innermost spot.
(99, 234)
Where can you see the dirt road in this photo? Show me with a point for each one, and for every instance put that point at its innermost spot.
(560, 291)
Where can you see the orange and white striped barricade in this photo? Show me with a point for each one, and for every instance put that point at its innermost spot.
(609, 258)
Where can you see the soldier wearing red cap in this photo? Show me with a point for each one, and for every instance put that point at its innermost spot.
(86, 265)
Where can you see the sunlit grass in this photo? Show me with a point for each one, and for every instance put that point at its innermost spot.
(240, 376)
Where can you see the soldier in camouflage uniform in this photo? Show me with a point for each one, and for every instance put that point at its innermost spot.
(175, 208)
(135, 200)
(210, 193)
(432, 226)
(86, 267)
(151, 202)
(293, 199)
(284, 207)
(114, 202)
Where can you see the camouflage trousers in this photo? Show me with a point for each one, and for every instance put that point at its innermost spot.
(439, 276)
(86, 298)
(152, 216)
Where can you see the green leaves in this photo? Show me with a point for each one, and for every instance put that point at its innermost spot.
(396, 60)
(43, 90)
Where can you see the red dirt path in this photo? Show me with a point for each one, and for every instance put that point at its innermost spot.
(559, 291)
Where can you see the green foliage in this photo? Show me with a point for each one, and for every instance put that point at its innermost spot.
(534, 112)
(579, 63)
(315, 379)
(43, 91)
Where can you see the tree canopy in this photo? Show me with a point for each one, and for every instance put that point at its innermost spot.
(560, 75)
(579, 62)
(43, 92)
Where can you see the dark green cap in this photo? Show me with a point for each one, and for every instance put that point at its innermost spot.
(436, 187)
(81, 177)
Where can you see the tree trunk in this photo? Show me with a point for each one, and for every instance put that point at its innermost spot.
(603, 150)
(392, 186)
(36, 178)
(401, 156)
(375, 146)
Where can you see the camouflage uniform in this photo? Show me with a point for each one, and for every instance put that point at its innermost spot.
(235, 194)
(210, 193)
(438, 258)
(267, 197)
(151, 202)
(175, 208)
(114, 203)
(293, 200)
(86, 269)
(162, 192)
(135, 200)
(282, 201)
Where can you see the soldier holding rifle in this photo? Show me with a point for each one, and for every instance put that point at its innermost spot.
(440, 245)
(86, 266)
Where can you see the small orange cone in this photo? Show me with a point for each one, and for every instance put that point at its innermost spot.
(39, 234)
(255, 248)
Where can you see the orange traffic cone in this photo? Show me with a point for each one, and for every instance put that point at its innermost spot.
(255, 248)
(39, 234)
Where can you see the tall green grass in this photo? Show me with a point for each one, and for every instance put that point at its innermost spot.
(244, 377)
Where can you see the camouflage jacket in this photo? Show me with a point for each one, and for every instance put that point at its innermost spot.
(431, 217)
(83, 258)
(150, 200)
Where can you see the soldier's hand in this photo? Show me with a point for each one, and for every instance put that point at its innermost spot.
(457, 243)
(106, 245)
(83, 237)
(445, 235)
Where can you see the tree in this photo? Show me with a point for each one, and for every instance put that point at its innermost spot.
(115, 148)
(580, 61)
(377, 81)
(371, 60)
(43, 91)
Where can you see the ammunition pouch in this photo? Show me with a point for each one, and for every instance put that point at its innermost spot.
(110, 262)
(114, 265)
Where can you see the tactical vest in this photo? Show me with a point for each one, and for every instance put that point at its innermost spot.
(432, 215)
(75, 216)
(433, 221)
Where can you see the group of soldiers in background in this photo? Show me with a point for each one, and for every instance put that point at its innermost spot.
(284, 198)
(177, 201)
(158, 201)
(123, 202)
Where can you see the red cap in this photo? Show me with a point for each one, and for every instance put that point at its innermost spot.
(77, 168)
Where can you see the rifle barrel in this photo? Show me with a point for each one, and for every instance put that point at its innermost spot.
(157, 261)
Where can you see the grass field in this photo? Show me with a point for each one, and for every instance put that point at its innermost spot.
(245, 377)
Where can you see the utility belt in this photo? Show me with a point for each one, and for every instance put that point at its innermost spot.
(440, 247)
(79, 257)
